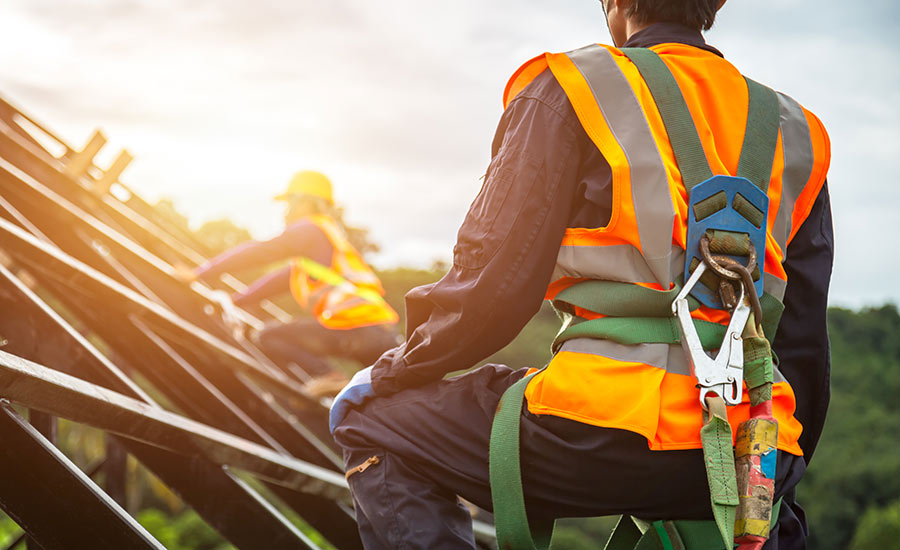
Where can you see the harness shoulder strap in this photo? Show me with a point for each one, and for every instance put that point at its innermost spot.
(675, 115)
(760, 135)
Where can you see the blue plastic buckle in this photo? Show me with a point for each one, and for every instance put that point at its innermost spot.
(725, 219)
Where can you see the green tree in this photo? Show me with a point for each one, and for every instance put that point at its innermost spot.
(856, 464)
(878, 528)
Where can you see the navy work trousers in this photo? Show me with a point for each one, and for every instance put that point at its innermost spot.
(432, 445)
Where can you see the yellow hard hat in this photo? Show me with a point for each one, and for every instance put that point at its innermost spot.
(308, 182)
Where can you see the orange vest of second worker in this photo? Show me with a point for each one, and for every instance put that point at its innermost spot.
(345, 294)
(648, 388)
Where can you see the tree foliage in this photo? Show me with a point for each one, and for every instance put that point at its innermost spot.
(878, 528)
(856, 466)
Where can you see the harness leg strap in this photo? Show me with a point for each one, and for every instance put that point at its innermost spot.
(510, 518)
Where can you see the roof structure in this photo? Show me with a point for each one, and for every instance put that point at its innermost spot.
(97, 328)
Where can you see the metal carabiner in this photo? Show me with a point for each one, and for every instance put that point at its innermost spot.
(724, 374)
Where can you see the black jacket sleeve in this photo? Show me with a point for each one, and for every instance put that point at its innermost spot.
(505, 252)
(801, 342)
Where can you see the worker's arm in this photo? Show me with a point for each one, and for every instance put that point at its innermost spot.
(506, 248)
(299, 239)
(802, 339)
(277, 282)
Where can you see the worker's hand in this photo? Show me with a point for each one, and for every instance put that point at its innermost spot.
(354, 394)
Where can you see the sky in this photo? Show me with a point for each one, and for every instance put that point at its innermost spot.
(397, 102)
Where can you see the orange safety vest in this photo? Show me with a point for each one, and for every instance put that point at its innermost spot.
(648, 388)
(345, 294)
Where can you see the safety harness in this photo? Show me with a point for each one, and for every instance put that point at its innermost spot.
(724, 258)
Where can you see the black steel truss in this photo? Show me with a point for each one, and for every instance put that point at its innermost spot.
(94, 322)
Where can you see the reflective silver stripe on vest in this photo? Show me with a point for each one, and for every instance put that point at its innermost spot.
(621, 262)
(774, 285)
(669, 357)
(798, 165)
(649, 183)
(663, 356)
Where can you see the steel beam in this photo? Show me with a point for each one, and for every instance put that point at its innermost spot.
(115, 470)
(55, 502)
(131, 214)
(157, 360)
(80, 358)
(96, 288)
(117, 253)
(44, 257)
(36, 331)
(236, 511)
(91, 471)
(39, 387)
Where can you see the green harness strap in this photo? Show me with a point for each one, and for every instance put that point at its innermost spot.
(675, 114)
(718, 455)
(632, 533)
(621, 299)
(510, 519)
(760, 134)
(656, 325)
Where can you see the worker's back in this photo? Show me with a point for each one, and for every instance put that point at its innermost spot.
(648, 388)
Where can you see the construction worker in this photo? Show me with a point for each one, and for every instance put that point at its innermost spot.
(326, 276)
(584, 186)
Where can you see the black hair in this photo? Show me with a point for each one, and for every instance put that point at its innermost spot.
(697, 14)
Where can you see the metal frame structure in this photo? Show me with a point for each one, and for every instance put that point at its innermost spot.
(96, 328)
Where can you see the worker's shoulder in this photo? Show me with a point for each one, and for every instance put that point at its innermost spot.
(304, 229)
(788, 103)
(801, 125)
(543, 91)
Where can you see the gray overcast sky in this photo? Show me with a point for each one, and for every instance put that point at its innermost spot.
(397, 100)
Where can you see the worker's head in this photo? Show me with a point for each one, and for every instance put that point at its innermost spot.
(625, 17)
(307, 193)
